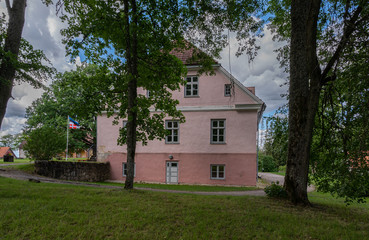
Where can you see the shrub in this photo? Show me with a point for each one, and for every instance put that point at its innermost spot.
(267, 163)
(275, 191)
(44, 143)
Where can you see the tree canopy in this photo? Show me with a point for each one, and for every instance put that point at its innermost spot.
(76, 94)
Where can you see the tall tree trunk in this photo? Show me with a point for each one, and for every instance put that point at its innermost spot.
(304, 96)
(306, 79)
(16, 14)
(131, 52)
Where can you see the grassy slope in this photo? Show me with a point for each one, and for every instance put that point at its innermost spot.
(51, 211)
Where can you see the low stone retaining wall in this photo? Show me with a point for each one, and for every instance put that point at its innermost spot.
(74, 171)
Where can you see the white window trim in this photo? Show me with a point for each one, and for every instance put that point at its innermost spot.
(171, 130)
(211, 131)
(191, 84)
(124, 165)
(217, 177)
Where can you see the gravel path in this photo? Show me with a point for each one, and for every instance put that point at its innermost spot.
(16, 174)
(270, 177)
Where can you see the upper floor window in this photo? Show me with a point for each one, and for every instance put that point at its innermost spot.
(148, 94)
(173, 135)
(217, 131)
(192, 86)
(227, 90)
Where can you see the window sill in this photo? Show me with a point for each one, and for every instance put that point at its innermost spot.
(215, 143)
(191, 96)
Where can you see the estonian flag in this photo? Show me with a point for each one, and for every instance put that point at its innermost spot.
(73, 124)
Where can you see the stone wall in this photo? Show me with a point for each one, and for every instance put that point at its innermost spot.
(74, 171)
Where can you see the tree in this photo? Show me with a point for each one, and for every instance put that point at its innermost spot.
(10, 140)
(340, 149)
(276, 137)
(73, 93)
(44, 143)
(18, 60)
(320, 32)
(136, 48)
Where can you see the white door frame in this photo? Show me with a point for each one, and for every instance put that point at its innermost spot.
(171, 170)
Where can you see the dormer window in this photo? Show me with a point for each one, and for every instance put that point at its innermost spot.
(227, 90)
(192, 86)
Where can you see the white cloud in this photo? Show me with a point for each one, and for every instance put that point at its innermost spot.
(42, 29)
(264, 72)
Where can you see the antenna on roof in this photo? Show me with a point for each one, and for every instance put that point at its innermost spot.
(230, 65)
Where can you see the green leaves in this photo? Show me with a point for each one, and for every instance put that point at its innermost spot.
(79, 94)
(45, 143)
(341, 144)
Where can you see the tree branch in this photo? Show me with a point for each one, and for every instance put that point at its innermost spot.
(348, 30)
(8, 7)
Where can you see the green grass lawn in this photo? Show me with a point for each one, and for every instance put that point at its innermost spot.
(16, 160)
(191, 188)
(29, 168)
(52, 211)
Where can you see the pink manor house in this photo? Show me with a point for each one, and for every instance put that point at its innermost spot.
(216, 145)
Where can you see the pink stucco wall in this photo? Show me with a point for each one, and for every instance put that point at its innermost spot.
(192, 168)
(211, 92)
(194, 153)
(194, 134)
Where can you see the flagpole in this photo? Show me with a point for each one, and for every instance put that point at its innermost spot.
(66, 155)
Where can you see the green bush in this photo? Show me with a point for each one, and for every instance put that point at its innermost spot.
(275, 191)
(45, 143)
(267, 163)
(282, 168)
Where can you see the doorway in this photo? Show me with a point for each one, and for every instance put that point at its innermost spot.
(172, 172)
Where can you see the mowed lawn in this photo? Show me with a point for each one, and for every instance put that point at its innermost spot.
(54, 211)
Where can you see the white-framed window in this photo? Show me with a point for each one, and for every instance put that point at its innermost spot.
(125, 169)
(192, 86)
(227, 90)
(173, 135)
(217, 171)
(218, 127)
(148, 93)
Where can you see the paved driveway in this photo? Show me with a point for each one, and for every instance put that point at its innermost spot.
(270, 177)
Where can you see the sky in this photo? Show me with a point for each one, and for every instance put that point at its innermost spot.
(42, 29)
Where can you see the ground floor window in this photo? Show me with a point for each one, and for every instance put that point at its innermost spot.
(125, 169)
(217, 171)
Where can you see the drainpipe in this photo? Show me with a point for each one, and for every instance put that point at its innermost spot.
(260, 116)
